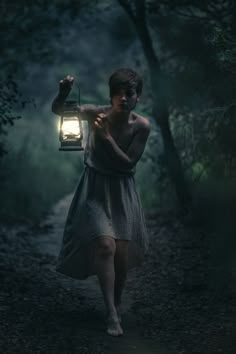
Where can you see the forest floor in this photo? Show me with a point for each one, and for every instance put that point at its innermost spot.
(168, 307)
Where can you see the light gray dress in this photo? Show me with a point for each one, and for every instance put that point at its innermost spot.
(105, 203)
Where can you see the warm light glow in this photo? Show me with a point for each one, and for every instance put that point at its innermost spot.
(70, 127)
(58, 126)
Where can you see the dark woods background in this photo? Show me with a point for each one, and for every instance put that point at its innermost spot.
(186, 53)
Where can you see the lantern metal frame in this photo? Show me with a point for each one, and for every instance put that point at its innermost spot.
(71, 143)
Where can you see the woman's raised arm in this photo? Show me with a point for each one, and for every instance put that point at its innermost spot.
(65, 87)
(87, 112)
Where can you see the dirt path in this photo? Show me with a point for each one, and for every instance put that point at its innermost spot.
(45, 312)
(132, 341)
(92, 325)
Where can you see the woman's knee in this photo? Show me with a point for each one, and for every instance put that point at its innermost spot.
(106, 247)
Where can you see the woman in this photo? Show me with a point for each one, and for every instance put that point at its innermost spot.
(105, 231)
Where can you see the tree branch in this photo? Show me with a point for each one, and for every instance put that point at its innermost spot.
(126, 6)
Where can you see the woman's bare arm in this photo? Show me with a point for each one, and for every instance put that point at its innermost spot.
(87, 112)
(134, 152)
(119, 158)
(65, 87)
(58, 104)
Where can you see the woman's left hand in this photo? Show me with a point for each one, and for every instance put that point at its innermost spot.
(101, 125)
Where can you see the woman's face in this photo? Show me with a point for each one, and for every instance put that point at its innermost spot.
(124, 100)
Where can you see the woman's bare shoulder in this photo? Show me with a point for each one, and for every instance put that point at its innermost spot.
(140, 122)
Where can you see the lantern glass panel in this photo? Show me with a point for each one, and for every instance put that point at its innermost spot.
(70, 127)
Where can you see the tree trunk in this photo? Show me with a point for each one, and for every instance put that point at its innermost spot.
(160, 110)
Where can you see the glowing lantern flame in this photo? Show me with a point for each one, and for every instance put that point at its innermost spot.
(70, 127)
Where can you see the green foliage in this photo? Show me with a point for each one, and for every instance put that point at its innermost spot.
(9, 98)
(199, 172)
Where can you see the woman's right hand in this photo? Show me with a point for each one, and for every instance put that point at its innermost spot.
(65, 86)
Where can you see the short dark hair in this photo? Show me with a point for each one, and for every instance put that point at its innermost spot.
(125, 78)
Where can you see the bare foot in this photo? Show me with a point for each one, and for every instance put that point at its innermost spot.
(114, 327)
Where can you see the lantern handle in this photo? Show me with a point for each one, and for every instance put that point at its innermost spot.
(78, 87)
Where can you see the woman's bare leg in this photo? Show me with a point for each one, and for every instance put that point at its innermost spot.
(121, 267)
(105, 248)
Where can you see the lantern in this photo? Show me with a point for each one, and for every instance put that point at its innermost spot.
(71, 130)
